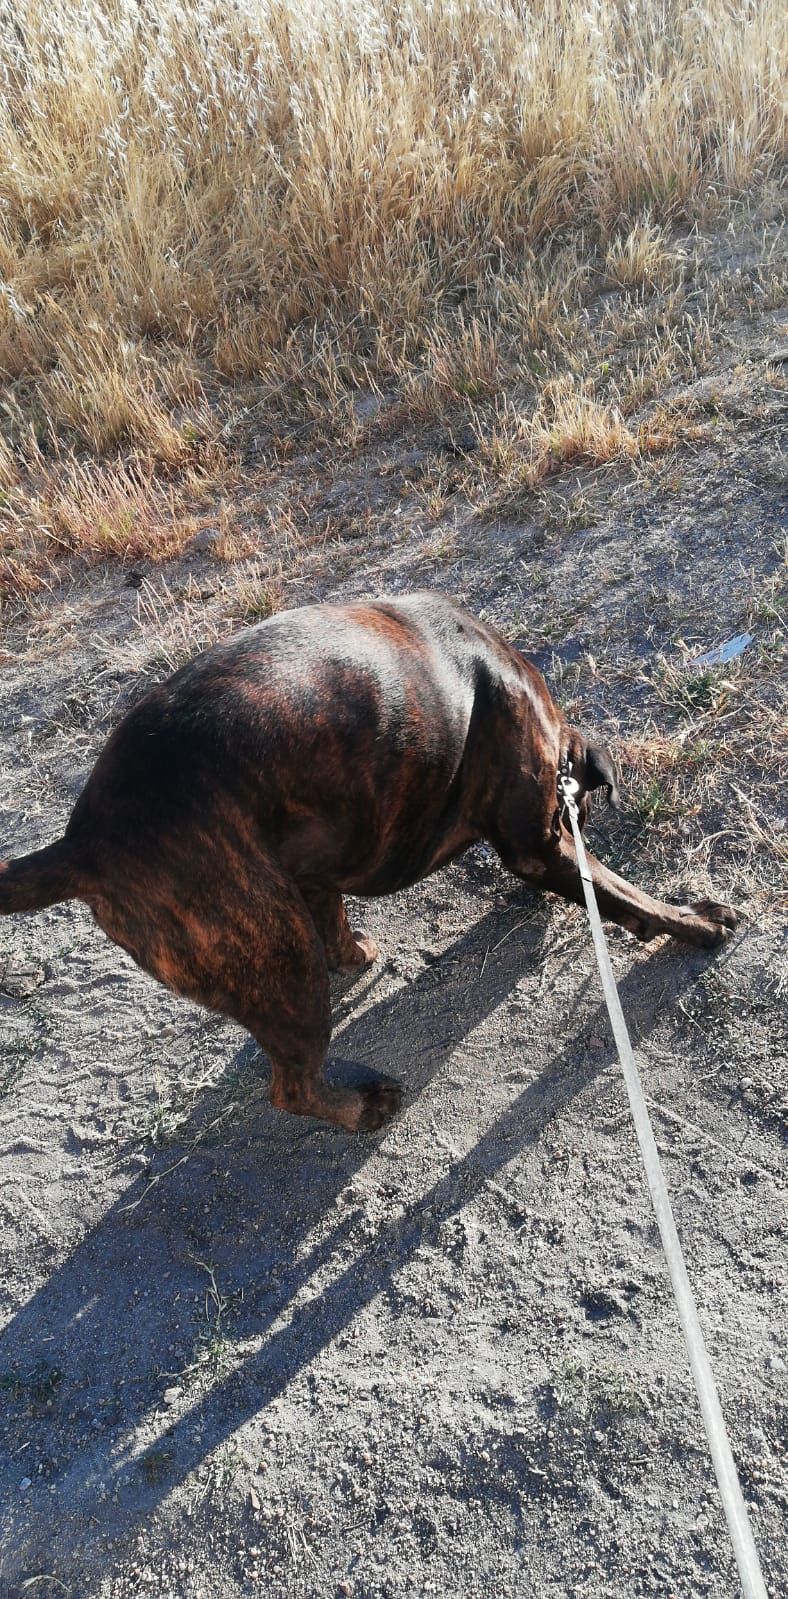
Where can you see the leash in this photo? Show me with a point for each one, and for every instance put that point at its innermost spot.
(744, 1549)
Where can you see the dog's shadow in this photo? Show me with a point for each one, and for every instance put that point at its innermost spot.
(86, 1363)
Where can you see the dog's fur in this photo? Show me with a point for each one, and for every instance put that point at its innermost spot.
(330, 750)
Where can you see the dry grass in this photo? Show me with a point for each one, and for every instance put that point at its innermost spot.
(392, 198)
(568, 424)
(67, 504)
(642, 258)
(712, 786)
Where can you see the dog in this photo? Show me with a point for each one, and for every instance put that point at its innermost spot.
(329, 750)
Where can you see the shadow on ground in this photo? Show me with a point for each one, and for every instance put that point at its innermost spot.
(87, 1360)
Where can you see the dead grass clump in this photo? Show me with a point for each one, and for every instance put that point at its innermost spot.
(458, 365)
(571, 424)
(93, 510)
(252, 597)
(643, 257)
(568, 424)
(103, 389)
(112, 510)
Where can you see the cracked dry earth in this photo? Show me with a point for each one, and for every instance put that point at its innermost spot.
(246, 1354)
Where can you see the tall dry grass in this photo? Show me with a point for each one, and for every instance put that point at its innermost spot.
(357, 193)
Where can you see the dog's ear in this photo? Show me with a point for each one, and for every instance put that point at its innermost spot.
(601, 771)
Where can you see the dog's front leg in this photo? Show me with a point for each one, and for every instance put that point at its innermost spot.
(556, 868)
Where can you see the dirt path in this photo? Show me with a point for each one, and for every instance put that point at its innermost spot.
(243, 1353)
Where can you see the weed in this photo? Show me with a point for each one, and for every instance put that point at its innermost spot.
(211, 1349)
(37, 1387)
(156, 1465)
(691, 692)
(653, 802)
(221, 1472)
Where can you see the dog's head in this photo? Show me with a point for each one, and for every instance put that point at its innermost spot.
(592, 767)
(600, 772)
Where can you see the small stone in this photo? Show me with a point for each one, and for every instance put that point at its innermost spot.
(461, 441)
(205, 541)
(171, 1396)
(745, 1083)
(20, 979)
(26, 1482)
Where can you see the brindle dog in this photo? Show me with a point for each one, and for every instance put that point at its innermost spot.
(330, 750)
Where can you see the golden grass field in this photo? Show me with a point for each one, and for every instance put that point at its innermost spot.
(202, 206)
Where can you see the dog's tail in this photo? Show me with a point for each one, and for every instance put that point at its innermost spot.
(43, 878)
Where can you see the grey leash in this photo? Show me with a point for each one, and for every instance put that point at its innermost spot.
(752, 1582)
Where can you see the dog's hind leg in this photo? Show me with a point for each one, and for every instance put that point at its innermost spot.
(290, 1016)
(346, 950)
(234, 934)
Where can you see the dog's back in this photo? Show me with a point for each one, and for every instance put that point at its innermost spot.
(338, 731)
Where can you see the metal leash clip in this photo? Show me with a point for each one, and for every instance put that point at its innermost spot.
(568, 786)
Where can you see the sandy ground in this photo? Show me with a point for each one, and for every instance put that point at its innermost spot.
(243, 1353)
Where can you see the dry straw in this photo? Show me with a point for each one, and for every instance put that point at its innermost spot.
(166, 168)
(317, 198)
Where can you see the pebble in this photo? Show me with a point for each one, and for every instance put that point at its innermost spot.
(204, 541)
(26, 1482)
(20, 979)
(171, 1396)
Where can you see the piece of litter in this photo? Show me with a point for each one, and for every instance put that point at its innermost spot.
(724, 652)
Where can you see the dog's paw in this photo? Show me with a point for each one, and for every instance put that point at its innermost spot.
(721, 921)
(362, 953)
(379, 1102)
(367, 948)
